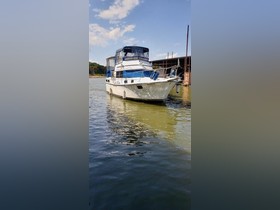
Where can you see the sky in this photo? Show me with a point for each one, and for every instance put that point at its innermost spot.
(160, 25)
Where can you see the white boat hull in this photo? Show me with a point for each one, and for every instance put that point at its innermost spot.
(153, 91)
(130, 75)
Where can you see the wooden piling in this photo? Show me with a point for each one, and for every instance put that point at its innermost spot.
(187, 73)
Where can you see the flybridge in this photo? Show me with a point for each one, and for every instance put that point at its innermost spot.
(128, 53)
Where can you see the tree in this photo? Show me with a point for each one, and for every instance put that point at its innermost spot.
(95, 68)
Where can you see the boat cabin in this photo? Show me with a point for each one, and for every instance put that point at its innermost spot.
(129, 53)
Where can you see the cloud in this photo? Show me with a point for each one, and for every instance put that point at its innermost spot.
(130, 41)
(118, 10)
(99, 36)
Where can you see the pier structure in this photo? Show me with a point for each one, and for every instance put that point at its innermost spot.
(184, 69)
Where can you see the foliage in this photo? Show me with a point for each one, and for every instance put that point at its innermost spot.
(95, 68)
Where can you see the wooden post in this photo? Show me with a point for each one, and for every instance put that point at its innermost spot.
(186, 72)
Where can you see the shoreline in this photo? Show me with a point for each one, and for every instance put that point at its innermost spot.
(96, 76)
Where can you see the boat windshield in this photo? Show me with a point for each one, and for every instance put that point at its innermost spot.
(132, 53)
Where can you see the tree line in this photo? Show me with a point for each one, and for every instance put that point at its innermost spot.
(96, 69)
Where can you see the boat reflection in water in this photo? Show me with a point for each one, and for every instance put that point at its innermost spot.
(139, 122)
(139, 153)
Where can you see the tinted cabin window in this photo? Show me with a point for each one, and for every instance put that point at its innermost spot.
(119, 74)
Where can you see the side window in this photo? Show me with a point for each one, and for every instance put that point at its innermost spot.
(119, 74)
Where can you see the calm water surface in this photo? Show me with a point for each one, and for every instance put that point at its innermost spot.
(139, 153)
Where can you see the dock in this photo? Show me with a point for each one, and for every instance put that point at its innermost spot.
(184, 69)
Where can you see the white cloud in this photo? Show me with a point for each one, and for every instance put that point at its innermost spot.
(99, 36)
(130, 41)
(118, 10)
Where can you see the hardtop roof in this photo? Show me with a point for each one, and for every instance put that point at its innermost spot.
(145, 49)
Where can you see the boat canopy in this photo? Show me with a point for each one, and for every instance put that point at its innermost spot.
(110, 63)
(132, 53)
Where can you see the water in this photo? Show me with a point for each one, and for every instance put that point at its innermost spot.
(139, 153)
